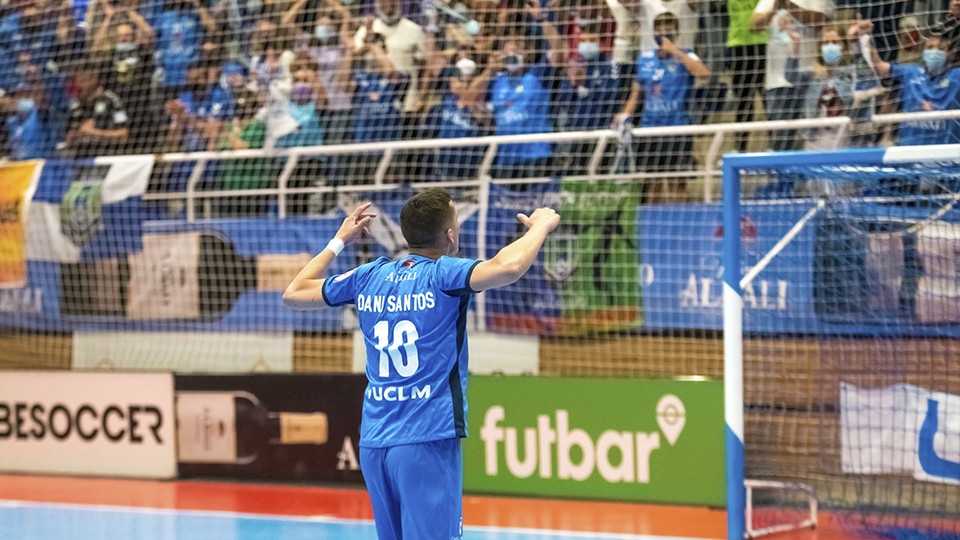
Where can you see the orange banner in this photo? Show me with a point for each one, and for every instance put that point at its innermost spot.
(17, 184)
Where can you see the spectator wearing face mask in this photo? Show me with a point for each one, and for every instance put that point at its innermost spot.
(781, 100)
(590, 95)
(180, 32)
(932, 87)
(306, 100)
(460, 114)
(331, 33)
(521, 94)
(26, 137)
(130, 65)
(827, 90)
(666, 79)
(405, 44)
(125, 27)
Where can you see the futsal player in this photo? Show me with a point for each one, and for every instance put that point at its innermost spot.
(412, 313)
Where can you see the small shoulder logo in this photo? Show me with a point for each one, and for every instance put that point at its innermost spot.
(344, 276)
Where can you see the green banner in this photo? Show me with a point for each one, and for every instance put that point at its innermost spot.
(593, 258)
(637, 440)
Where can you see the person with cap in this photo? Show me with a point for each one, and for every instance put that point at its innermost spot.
(931, 87)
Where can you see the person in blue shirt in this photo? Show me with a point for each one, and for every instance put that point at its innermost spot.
(521, 95)
(26, 137)
(666, 79)
(412, 314)
(379, 90)
(590, 95)
(180, 32)
(827, 90)
(932, 87)
(461, 114)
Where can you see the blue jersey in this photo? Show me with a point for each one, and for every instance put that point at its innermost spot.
(593, 104)
(180, 36)
(413, 315)
(215, 105)
(521, 105)
(666, 84)
(456, 123)
(942, 92)
(378, 102)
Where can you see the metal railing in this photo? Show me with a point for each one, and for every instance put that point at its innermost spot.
(708, 171)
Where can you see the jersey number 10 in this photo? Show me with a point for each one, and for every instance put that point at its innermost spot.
(404, 335)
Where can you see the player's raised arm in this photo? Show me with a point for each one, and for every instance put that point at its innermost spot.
(306, 290)
(513, 261)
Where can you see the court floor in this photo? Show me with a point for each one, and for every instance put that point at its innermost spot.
(51, 508)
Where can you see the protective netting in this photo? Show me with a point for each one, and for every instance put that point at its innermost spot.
(856, 390)
(100, 77)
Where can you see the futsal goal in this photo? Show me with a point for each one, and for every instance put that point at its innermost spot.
(847, 398)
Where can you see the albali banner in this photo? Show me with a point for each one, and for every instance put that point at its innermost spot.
(301, 427)
(587, 280)
(901, 429)
(838, 275)
(114, 424)
(637, 440)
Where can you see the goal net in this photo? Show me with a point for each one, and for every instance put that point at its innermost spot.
(851, 392)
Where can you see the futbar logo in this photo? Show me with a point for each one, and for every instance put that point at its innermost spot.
(630, 450)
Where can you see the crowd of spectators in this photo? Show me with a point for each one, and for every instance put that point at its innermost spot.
(142, 76)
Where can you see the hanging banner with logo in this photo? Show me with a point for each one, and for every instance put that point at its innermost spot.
(636, 440)
(18, 181)
(901, 429)
(587, 279)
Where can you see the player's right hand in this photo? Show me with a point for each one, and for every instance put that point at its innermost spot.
(547, 217)
(355, 224)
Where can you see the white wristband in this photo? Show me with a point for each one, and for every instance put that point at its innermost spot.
(336, 246)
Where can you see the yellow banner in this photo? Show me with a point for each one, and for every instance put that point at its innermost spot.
(17, 183)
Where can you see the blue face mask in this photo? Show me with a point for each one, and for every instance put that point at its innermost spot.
(24, 106)
(934, 59)
(831, 53)
(323, 33)
(588, 50)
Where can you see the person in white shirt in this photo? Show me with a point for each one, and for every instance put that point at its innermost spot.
(634, 32)
(780, 97)
(406, 45)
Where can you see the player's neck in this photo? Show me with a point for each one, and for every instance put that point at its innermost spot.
(430, 253)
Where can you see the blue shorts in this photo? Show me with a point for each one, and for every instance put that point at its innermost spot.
(416, 490)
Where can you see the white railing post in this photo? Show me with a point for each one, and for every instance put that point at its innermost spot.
(285, 174)
(195, 176)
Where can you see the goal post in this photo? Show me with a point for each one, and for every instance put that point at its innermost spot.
(891, 188)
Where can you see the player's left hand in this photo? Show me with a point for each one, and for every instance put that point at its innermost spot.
(355, 224)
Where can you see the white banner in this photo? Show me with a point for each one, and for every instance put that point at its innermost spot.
(901, 429)
(116, 424)
(184, 352)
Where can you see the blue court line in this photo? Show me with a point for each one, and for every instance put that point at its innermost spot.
(45, 521)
